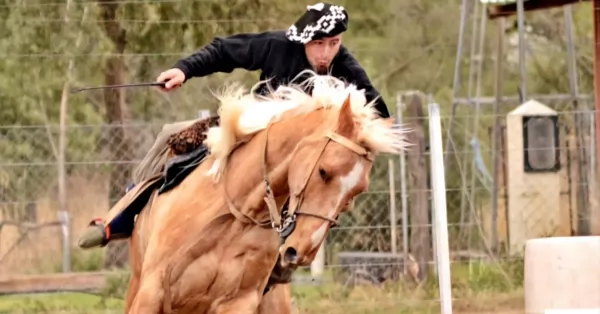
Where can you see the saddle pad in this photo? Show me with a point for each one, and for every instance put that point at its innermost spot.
(180, 167)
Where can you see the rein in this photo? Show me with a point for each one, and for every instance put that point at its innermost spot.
(284, 223)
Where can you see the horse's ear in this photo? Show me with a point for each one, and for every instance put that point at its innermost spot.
(345, 124)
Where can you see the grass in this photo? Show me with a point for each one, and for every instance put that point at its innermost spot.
(369, 300)
(476, 288)
(59, 303)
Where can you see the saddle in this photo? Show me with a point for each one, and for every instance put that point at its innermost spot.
(179, 167)
(185, 152)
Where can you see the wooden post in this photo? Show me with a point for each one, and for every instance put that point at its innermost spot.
(594, 224)
(420, 237)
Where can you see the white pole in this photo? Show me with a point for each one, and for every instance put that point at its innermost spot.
(438, 181)
(63, 218)
(318, 265)
(203, 114)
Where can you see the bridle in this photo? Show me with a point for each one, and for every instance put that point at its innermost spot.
(285, 222)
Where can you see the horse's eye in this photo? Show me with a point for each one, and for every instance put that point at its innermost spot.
(323, 174)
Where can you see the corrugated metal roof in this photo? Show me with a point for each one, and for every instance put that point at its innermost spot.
(499, 2)
(504, 8)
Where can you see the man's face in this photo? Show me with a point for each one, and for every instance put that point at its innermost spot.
(320, 52)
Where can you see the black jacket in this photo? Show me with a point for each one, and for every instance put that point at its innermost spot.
(278, 58)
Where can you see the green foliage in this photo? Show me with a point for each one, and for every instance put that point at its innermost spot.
(403, 45)
(86, 261)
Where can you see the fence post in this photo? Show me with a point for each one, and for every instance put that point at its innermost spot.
(404, 206)
(318, 265)
(438, 182)
(393, 226)
(63, 218)
(203, 114)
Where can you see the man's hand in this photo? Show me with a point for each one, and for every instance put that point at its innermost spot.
(173, 78)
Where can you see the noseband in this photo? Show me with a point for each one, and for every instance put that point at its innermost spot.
(285, 222)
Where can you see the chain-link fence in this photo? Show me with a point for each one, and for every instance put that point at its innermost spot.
(381, 258)
(29, 187)
(387, 235)
(29, 195)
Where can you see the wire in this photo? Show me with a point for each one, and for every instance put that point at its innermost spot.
(162, 54)
(145, 21)
(64, 3)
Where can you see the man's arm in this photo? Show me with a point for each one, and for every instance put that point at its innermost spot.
(224, 54)
(362, 81)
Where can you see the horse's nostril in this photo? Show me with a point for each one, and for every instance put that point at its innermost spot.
(290, 255)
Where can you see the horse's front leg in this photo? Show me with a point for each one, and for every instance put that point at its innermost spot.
(149, 296)
(135, 262)
(132, 289)
(245, 303)
(277, 301)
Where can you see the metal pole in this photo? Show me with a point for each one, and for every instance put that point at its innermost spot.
(522, 44)
(318, 265)
(63, 218)
(476, 118)
(572, 64)
(465, 157)
(399, 108)
(496, 132)
(393, 226)
(438, 182)
(203, 114)
(62, 138)
(508, 99)
(596, 6)
(464, 13)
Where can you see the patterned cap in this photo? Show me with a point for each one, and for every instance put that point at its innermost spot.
(319, 20)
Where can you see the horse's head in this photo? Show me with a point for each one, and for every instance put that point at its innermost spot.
(320, 149)
(327, 171)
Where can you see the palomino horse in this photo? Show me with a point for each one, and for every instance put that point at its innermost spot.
(209, 244)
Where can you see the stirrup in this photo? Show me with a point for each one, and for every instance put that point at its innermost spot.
(99, 237)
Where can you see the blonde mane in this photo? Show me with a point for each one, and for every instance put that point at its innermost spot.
(243, 114)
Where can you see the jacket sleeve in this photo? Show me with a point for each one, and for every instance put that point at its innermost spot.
(360, 78)
(224, 54)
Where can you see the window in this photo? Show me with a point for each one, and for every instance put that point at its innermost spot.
(540, 144)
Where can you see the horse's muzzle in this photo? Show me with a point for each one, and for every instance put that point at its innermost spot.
(289, 258)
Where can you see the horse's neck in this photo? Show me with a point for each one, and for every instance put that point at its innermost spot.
(247, 163)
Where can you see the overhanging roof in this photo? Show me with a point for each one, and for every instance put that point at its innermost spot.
(500, 8)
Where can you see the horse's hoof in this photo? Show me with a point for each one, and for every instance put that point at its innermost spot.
(93, 237)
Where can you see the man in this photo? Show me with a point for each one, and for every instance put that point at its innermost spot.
(314, 42)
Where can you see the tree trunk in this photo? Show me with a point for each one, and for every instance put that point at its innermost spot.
(116, 115)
